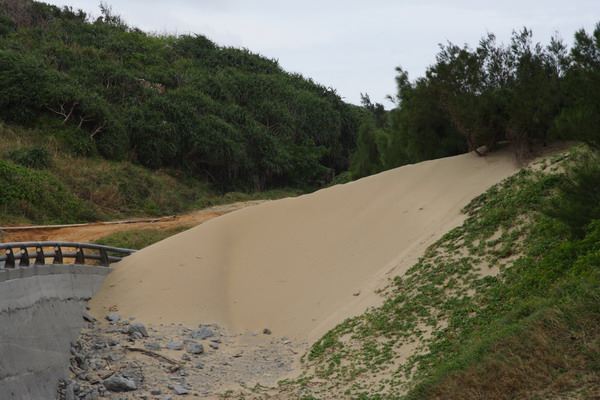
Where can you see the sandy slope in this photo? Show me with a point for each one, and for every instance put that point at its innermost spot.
(299, 266)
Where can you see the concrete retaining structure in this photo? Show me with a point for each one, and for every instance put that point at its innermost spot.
(41, 310)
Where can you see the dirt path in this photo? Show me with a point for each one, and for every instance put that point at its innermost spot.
(91, 232)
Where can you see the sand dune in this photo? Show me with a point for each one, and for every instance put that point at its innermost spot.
(299, 266)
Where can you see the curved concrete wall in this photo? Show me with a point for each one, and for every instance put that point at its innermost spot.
(41, 311)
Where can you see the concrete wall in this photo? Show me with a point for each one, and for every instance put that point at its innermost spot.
(40, 314)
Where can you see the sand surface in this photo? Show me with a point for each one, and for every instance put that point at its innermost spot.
(299, 266)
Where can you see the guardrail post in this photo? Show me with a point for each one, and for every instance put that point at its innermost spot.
(39, 258)
(58, 257)
(10, 259)
(24, 257)
(104, 258)
(79, 256)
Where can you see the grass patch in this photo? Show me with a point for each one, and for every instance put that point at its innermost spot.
(139, 238)
(32, 195)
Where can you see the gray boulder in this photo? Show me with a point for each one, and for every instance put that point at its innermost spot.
(119, 384)
(203, 333)
(113, 317)
(171, 345)
(137, 327)
(180, 390)
(195, 348)
(155, 346)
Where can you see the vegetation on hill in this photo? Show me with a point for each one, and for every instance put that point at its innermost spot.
(503, 307)
(475, 98)
(95, 102)
(222, 114)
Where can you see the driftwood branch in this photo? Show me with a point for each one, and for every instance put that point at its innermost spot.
(155, 354)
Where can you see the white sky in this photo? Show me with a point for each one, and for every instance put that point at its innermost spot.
(352, 46)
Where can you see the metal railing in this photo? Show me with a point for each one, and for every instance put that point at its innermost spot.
(33, 253)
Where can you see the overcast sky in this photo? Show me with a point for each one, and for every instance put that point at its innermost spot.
(352, 46)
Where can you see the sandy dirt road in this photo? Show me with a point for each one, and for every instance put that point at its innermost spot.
(89, 233)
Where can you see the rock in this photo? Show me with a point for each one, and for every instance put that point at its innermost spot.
(155, 346)
(185, 357)
(155, 392)
(113, 342)
(88, 317)
(136, 335)
(215, 340)
(92, 395)
(203, 333)
(133, 374)
(137, 327)
(267, 331)
(195, 348)
(110, 357)
(96, 364)
(69, 393)
(171, 345)
(178, 389)
(119, 384)
(113, 317)
(78, 358)
(214, 346)
(199, 366)
(166, 398)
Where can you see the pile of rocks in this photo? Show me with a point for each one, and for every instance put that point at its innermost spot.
(122, 359)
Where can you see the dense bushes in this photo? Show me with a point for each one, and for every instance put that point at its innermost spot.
(36, 195)
(578, 201)
(222, 114)
(34, 156)
(474, 98)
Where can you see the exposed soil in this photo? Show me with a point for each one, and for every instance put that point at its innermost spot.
(90, 232)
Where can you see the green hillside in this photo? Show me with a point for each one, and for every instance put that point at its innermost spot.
(216, 118)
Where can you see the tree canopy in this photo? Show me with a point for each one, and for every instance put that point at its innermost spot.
(473, 99)
(219, 113)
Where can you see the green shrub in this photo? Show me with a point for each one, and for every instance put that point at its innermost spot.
(7, 25)
(38, 196)
(342, 178)
(37, 157)
(578, 201)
